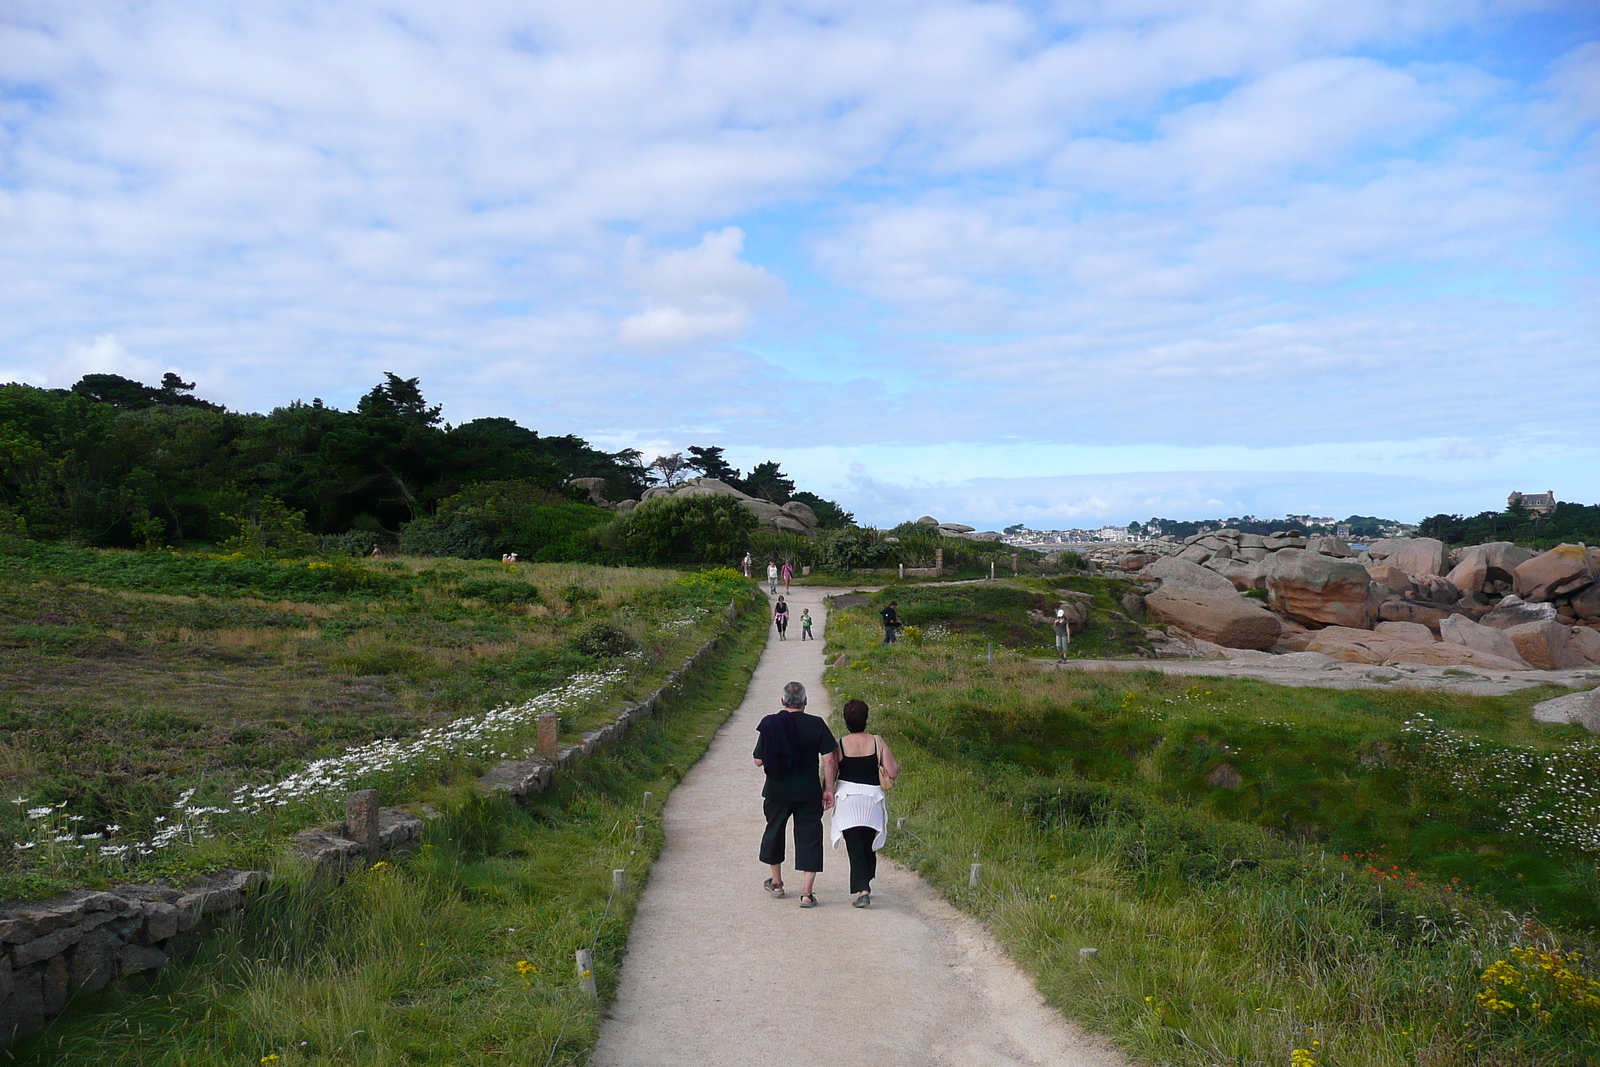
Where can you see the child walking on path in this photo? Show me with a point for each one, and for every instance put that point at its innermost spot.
(805, 625)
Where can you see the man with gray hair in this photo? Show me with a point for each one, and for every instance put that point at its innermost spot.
(791, 746)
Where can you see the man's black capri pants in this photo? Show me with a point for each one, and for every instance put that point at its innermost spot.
(807, 832)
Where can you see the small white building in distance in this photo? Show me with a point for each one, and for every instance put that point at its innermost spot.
(1539, 503)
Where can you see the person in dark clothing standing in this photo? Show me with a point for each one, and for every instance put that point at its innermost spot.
(891, 623)
(790, 747)
(780, 617)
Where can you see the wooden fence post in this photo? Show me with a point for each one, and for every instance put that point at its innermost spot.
(585, 960)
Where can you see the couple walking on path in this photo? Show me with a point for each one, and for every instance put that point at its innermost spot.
(718, 974)
(793, 749)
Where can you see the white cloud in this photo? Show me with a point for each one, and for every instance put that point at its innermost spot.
(1332, 221)
(703, 293)
(102, 355)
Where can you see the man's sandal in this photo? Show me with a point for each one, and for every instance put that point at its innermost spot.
(775, 888)
(808, 900)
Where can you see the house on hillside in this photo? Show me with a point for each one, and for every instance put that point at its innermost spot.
(1538, 503)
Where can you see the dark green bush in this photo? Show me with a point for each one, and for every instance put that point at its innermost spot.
(487, 520)
(493, 591)
(711, 528)
(602, 641)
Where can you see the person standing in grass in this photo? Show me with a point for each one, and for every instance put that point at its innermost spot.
(790, 747)
(891, 623)
(805, 625)
(1063, 635)
(861, 810)
(745, 563)
(780, 617)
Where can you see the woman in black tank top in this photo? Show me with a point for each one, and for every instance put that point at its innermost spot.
(862, 757)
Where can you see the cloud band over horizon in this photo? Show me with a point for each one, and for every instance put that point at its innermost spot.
(1052, 260)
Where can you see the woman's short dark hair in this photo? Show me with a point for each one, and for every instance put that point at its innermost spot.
(855, 716)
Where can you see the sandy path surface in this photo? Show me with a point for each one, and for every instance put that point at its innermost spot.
(1314, 669)
(718, 973)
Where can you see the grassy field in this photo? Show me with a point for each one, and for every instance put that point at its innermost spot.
(1263, 870)
(128, 680)
(459, 955)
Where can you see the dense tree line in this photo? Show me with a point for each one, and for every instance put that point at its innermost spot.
(1362, 526)
(115, 462)
(1567, 523)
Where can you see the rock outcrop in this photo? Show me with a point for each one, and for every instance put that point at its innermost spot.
(1314, 588)
(1547, 645)
(793, 517)
(1179, 573)
(1224, 618)
(1460, 630)
(1484, 564)
(1564, 569)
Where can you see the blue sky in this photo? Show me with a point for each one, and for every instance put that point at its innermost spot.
(1062, 263)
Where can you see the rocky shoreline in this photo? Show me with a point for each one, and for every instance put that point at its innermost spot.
(1402, 601)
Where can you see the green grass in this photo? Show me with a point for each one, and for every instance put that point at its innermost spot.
(416, 963)
(127, 678)
(1015, 613)
(1196, 833)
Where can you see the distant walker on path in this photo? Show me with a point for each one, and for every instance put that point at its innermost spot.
(861, 811)
(1063, 634)
(772, 575)
(790, 746)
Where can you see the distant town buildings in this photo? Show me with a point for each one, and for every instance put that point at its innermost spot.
(1538, 503)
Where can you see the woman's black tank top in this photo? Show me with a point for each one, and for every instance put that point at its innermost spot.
(863, 770)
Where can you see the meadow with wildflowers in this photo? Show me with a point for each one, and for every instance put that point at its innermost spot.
(167, 713)
(460, 953)
(1270, 875)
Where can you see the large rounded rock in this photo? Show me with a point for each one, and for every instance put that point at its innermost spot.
(1448, 655)
(794, 526)
(1511, 611)
(1328, 545)
(1310, 587)
(1227, 619)
(709, 487)
(1178, 573)
(1356, 646)
(1586, 643)
(1460, 630)
(1563, 569)
(1586, 605)
(1547, 645)
(765, 511)
(800, 512)
(1496, 561)
(1418, 555)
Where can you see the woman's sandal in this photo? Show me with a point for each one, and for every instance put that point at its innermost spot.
(808, 900)
(863, 901)
(775, 888)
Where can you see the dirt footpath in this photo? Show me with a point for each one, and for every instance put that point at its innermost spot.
(718, 974)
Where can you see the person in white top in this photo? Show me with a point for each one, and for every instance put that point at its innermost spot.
(772, 575)
(860, 807)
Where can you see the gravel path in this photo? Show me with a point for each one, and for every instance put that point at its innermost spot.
(718, 973)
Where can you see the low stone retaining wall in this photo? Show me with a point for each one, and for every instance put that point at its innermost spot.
(84, 941)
